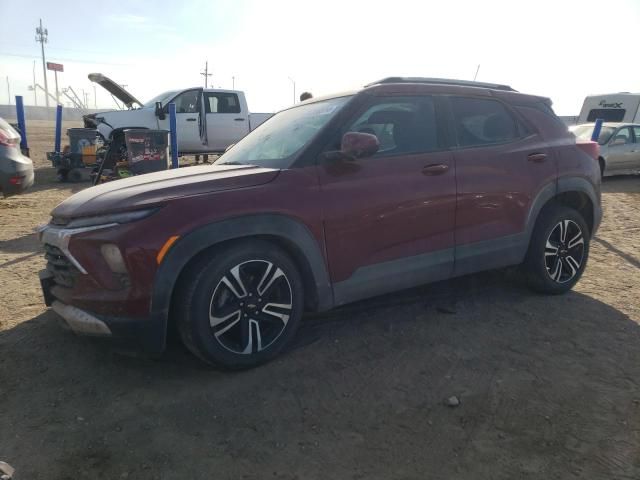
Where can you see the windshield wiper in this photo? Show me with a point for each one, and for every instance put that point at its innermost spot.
(236, 163)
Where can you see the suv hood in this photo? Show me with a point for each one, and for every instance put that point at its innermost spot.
(114, 89)
(156, 188)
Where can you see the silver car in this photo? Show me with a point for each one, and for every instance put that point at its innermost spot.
(16, 170)
(619, 146)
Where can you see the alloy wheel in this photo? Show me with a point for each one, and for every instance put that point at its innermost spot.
(564, 251)
(250, 306)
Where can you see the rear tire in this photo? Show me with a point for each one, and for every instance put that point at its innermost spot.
(558, 251)
(240, 306)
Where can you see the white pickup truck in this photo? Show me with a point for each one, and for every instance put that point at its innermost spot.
(207, 120)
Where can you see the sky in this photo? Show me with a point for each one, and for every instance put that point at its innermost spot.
(562, 49)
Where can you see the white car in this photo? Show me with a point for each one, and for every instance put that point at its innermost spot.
(619, 146)
(207, 120)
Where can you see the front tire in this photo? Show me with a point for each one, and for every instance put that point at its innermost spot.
(558, 251)
(241, 305)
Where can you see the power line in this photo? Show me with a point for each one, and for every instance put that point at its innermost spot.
(4, 54)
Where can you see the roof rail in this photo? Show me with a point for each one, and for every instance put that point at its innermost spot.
(442, 81)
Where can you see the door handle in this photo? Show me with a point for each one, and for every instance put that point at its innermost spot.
(191, 119)
(537, 157)
(239, 119)
(435, 169)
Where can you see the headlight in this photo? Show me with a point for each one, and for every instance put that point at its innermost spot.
(124, 217)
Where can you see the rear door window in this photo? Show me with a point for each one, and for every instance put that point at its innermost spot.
(480, 121)
(220, 102)
(636, 131)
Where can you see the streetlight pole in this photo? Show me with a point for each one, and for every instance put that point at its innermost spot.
(41, 37)
(8, 90)
(294, 89)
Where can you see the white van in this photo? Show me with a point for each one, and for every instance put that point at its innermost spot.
(613, 107)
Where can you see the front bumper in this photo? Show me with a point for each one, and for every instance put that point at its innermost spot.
(138, 333)
(87, 295)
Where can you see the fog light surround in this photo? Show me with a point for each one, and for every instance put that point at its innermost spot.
(112, 255)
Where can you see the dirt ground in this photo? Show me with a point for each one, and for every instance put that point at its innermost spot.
(549, 387)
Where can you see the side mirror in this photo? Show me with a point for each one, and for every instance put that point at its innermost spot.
(160, 111)
(359, 145)
(354, 145)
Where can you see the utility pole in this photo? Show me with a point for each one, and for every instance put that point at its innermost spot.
(233, 83)
(8, 90)
(206, 73)
(95, 98)
(294, 89)
(41, 37)
(35, 93)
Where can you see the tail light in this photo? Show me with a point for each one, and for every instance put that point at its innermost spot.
(590, 148)
(16, 180)
(9, 138)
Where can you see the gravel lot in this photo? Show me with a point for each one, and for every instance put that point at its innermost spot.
(549, 387)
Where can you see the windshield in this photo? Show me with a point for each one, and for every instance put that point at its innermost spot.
(277, 142)
(584, 132)
(163, 98)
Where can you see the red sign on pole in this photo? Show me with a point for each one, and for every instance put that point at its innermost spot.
(56, 67)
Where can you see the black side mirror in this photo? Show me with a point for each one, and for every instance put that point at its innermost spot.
(160, 111)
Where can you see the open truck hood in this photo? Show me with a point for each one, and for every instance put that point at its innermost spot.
(114, 89)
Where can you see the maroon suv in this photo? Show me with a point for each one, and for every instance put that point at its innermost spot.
(407, 181)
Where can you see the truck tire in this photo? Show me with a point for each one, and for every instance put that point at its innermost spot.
(239, 306)
(558, 251)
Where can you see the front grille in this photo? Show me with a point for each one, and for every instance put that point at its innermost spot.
(64, 273)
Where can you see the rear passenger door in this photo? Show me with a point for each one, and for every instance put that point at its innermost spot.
(226, 123)
(501, 166)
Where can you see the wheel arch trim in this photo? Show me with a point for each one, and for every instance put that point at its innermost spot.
(285, 228)
(553, 189)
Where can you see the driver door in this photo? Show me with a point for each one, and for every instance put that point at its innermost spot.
(390, 218)
(188, 121)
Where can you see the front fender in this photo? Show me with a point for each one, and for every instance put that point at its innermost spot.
(299, 241)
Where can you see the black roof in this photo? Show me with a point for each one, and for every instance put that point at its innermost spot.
(442, 81)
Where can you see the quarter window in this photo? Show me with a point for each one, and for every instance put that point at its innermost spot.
(218, 102)
(636, 131)
(403, 125)
(482, 122)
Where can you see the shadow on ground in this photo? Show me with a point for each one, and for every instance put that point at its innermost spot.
(620, 184)
(549, 388)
